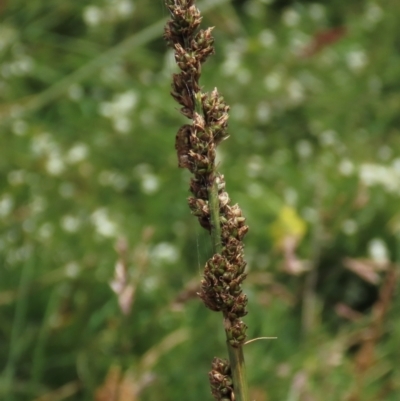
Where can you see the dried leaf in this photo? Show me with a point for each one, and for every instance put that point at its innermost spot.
(366, 269)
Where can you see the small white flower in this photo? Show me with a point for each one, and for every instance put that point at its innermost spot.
(356, 60)
(254, 166)
(22, 66)
(385, 153)
(373, 15)
(119, 109)
(376, 174)
(317, 11)
(8, 35)
(240, 112)
(103, 224)
(263, 112)
(38, 204)
(253, 8)
(150, 183)
(125, 8)
(378, 251)
(113, 179)
(273, 81)
(41, 144)
(328, 137)
(304, 148)
(310, 214)
(46, 230)
(290, 17)
(55, 165)
(20, 127)
(72, 269)
(122, 125)
(346, 167)
(291, 196)
(125, 102)
(77, 153)
(396, 165)
(75, 92)
(295, 91)
(70, 223)
(267, 38)
(349, 227)
(93, 15)
(255, 190)
(231, 64)
(165, 252)
(243, 76)
(298, 42)
(6, 205)
(16, 177)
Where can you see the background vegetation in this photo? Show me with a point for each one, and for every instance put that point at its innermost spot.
(99, 255)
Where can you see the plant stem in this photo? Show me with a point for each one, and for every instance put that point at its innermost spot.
(236, 357)
(238, 367)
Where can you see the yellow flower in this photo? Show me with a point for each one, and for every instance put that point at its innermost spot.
(287, 224)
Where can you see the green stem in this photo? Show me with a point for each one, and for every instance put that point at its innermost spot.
(238, 367)
(236, 357)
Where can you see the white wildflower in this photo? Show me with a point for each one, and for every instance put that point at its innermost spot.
(291, 17)
(255, 190)
(122, 124)
(6, 205)
(239, 112)
(291, 196)
(304, 149)
(385, 153)
(164, 252)
(295, 91)
(93, 15)
(273, 81)
(255, 166)
(16, 177)
(316, 11)
(77, 153)
(349, 227)
(266, 38)
(150, 183)
(378, 251)
(328, 137)
(72, 269)
(376, 174)
(70, 223)
(55, 164)
(75, 92)
(19, 127)
(346, 167)
(396, 165)
(46, 230)
(232, 64)
(356, 60)
(263, 112)
(124, 8)
(103, 224)
(373, 15)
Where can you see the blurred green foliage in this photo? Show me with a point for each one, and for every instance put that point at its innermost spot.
(87, 157)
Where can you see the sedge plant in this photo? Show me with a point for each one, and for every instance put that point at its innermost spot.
(196, 146)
